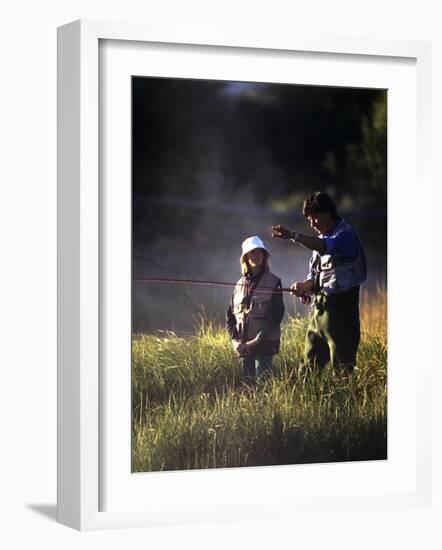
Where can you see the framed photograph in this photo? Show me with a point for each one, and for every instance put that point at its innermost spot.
(221, 207)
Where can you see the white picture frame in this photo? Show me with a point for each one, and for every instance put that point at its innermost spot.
(80, 291)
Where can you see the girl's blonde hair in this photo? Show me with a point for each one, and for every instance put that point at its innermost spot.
(245, 266)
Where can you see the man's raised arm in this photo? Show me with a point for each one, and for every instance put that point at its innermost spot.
(312, 243)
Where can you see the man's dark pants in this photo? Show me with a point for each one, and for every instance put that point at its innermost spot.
(334, 331)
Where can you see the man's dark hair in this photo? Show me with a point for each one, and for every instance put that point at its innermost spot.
(320, 203)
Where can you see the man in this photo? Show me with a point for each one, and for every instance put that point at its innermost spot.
(337, 268)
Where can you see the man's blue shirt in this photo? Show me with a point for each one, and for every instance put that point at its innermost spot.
(339, 241)
(342, 243)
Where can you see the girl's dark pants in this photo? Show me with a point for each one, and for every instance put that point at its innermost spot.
(256, 365)
(334, 331)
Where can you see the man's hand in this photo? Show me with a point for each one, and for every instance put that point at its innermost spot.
(298, 289)
(303, 290)
(281, 232)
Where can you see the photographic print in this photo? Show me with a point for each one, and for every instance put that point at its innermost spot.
(259, 274)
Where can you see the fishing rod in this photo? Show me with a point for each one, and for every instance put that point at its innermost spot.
(265, 290)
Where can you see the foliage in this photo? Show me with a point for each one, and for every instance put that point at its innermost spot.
(264, 145)
(366, 161)
(192, 410)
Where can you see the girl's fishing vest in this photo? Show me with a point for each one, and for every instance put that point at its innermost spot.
(333, 274)
(250, 320)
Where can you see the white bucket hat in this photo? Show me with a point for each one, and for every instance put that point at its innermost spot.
(251, 244)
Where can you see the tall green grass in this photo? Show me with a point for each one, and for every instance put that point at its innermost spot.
(192, 410)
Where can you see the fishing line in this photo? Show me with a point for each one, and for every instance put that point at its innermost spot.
(185, 295)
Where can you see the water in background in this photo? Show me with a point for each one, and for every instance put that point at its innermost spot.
(209, 250)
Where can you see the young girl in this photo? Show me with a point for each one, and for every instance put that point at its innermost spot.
(255, 312)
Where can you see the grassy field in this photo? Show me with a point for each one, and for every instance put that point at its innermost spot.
(191, 409)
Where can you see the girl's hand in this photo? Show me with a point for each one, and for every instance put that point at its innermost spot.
(239, 347)
(252, 343)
